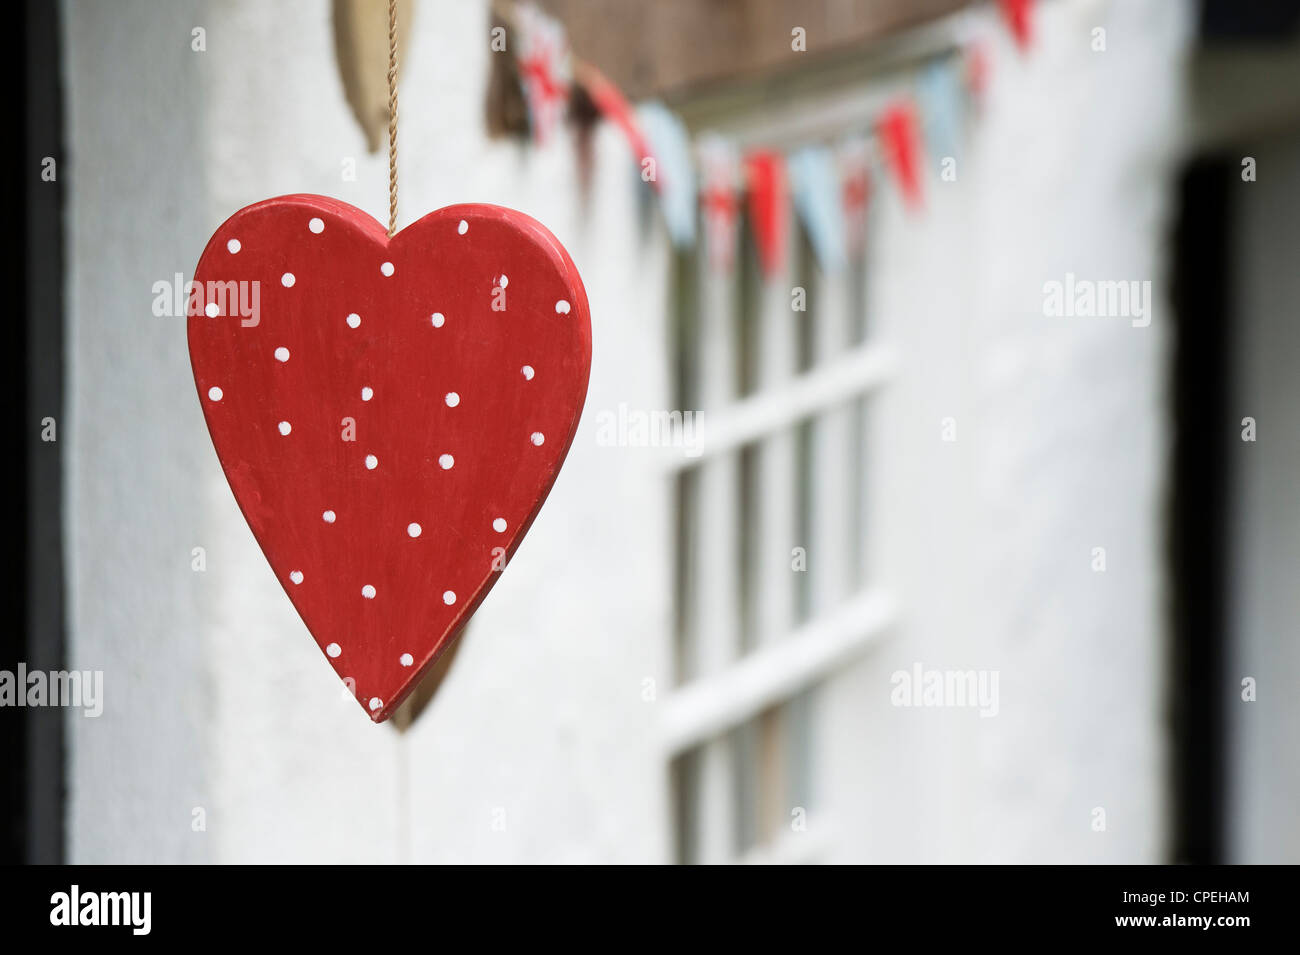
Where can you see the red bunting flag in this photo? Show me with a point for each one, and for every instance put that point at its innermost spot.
(545, 68)
(1018, 14)
(855, 192)
(719, 200)
(769, 207)
(977, 70)
(901, 141)
(613, 105)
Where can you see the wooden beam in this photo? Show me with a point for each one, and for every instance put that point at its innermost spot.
(671, 46)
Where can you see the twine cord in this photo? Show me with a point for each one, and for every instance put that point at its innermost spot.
(392, 118)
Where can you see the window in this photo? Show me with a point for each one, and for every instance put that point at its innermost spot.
(774, 586)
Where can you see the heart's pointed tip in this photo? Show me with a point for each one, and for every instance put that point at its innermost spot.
(378, 713)
(387, 709)
(378, 716)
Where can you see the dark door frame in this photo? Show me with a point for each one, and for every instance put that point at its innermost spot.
(1198, 536)
(31, 597)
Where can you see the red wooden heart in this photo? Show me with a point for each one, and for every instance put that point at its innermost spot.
(390, 413)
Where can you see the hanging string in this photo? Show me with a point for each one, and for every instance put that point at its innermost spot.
(392, 118)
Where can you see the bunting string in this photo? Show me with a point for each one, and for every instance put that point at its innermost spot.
(706, 180)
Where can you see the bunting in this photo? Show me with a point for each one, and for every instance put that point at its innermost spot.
(613, 105)
(855, 193)
(898, 137)
(818, 200)
(720, 186)
(939, 90)
(672, 168)
(976, 57)
(705, 185)
(1019, 17)
(545, 69)
(769, 205)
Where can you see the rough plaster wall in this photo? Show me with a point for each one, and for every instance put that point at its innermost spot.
(138, 472)
(1062, 426)
(216, 696)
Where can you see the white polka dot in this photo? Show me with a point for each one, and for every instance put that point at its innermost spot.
(527, 372)
(282, 354)
(233, 246)
(445, 461)
(452, 399)
(354, 320)
(368, 591)
(367, 393)
(537, 438)
(372, 462)
(215, 393)
(448, 597)
(387, 268)
(328, 517)
(463, 227)
(505, 280)
(406, 659)
(296, 576)
(438, 319)
(285, 427)
(212, 310)
(316, 225)
(287, 280)
(499, 525)
(376, 702)
(561, 307)
(334, 649)
(414, 529)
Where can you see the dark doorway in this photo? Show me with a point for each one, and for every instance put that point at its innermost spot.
(1198, 539)
(31, 740)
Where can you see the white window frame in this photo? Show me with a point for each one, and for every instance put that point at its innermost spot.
(845, 618)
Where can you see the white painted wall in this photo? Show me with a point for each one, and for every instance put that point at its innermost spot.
(1062, 436)
(216, 697)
